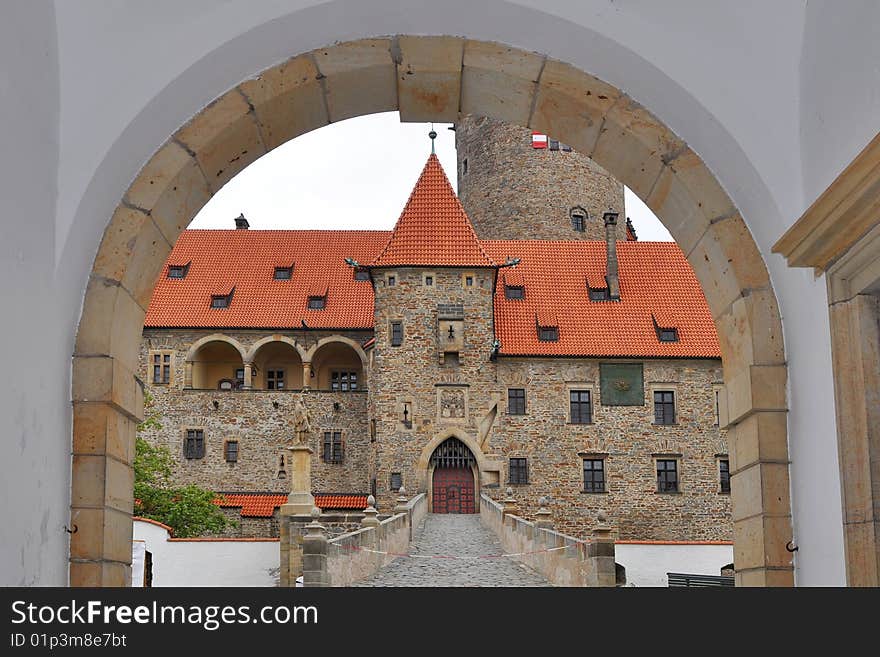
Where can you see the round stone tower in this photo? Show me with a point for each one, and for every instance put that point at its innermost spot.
(514, 191)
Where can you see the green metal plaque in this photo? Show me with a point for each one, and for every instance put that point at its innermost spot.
(622, 384)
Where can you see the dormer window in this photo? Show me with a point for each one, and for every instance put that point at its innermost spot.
(598, 294)
(514, 292)
(317, 303)
(222, 300)
(548, 326)
(283, 273)
(178, 271)
(665, 333)
(361, 274)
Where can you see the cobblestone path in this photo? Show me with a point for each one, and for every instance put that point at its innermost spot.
(460, 536)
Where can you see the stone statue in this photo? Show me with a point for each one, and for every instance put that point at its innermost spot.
(302, 422)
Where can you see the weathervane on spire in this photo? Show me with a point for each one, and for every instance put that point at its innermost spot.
(433, 136)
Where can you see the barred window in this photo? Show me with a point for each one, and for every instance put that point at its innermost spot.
(594, 475)
(724, 474)
(664, 407)
(516, 401)
(333, 447)
(194, 445)
(667, 476)
(230, 451)
(519, 471)
(581, 408)
(396, 481)
(396, 334)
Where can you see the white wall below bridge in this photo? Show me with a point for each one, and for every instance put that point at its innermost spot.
(647, 563)
(206, 562)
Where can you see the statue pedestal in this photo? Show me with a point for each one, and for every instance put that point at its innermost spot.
(300, 500)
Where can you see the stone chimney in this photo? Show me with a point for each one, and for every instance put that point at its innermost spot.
(611, 249)
(241, 223)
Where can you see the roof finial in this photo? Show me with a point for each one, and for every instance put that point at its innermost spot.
(433, 136)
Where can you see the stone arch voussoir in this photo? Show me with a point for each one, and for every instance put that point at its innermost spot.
(448, 75)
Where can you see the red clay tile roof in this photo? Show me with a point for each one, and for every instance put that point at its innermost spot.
(263, 505)
(246, 260)
(655, 278)
(433, 229)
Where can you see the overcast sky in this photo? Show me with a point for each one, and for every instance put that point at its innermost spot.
(352, 174)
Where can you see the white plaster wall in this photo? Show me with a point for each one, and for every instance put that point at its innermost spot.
(208, 563)
(745, 84)
(647, 565)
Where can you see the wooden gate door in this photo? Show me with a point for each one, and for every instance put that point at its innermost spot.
(453, 491)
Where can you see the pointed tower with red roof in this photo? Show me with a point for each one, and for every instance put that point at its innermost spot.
(434, 286)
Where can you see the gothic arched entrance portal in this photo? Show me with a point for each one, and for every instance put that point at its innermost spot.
(452, 478)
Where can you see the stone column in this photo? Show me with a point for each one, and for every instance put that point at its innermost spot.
(248, 376)
(307, 375)
(601, 554)
(510, 506)
(543, 518)
(370, 513)
(300, 499)
(188, 374)
(314, 557)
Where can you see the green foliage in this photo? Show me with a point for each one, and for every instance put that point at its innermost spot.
(188, 510)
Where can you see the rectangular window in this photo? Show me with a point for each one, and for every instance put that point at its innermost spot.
(717, 408)
(219, 301)
(664, 407)
(283, 273)
(469, 281)
(578, 222)
(514, 292)
(392, 281)
(317, 303)
(516, 401)
(361, 274)
(239, 377)
(519, 471)
(429, 281)
(724, 474)
(343, 381)
(667, 476)
(667, 334)
(580, 406)
(548, 334)
(553, 144)
(396, 481)
(275, 379)
(230, 451)
(332, 447)
(396, 334)
(598, 294)
(594, 475)
(194, 445)
(464, 167)
(162, 368)
(178, 271)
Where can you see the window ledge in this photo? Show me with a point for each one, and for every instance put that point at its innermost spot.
(667, 492)
(593, 492)
(581, 424)
(510, 483)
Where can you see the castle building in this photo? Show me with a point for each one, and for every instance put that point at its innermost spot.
(455, 354)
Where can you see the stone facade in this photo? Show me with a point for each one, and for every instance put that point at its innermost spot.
(512, 191)
(260, 420)
(441, 381)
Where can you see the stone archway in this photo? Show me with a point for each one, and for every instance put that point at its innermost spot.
(426, 79)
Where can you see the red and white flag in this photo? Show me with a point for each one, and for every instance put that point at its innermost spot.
(539, 140)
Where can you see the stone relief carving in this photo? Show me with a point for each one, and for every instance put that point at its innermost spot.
(452, 404)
